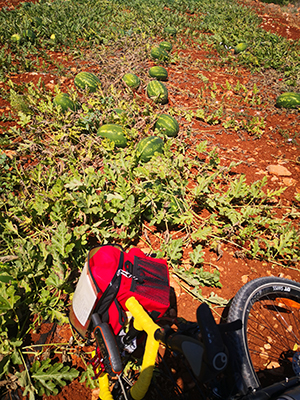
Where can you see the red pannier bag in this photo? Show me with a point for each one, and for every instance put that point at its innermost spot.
(110, 276)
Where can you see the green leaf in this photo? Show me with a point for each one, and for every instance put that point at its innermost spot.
(25, 382)
(174, 249)
(255, 248)
(87, 377)
(74, 184)
(6, 278)
(53, 280)
(47, 377)
(4, 304)
(197, 255)
(16, 358)
(8, 297)
(4, 365)
(202, 233)
(215, 299)
(239, 187)
(61, 241)
(40, 205)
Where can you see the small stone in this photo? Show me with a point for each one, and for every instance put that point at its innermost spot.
(289, 181)
(273, 365)
(278, 170)
(95, 394)
(50, 86)
(260, 172)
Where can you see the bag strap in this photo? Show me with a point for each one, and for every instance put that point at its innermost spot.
(110, 293)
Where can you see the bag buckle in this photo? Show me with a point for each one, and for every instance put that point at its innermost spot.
(127, 274)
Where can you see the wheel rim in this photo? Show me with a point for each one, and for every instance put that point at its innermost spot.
(273, 337)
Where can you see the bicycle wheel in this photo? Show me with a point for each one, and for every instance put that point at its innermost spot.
(266, 349)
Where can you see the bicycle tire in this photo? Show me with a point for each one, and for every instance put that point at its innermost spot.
(266, 349)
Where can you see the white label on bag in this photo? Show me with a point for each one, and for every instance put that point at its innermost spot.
(84, 297)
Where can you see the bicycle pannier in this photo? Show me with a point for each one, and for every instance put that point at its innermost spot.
(110, 276)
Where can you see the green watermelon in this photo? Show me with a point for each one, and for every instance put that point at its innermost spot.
(288, 100)
(115, 133)
(159, 54)
(160, 73)
(131, 80)
(167, 125)
(166, 46)
(87, 81)
(157, 92)
(170, 30)
(29, 35)
(63, 100)
(148, 146)
(239, 48)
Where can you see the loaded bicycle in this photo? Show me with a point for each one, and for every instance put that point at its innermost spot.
(254, 355)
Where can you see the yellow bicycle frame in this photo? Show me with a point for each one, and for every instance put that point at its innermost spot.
(142, 322)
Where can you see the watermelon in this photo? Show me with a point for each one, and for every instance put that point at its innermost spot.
(131, 80)
(157, 92)
(115, 133)
(288, 100)
(167, 125)
(160, 73)
(63, 100)
(159, 54)
(170, 30)
(148, 146)
(166, 46)
(87, 81)
(239, 48)
(29, 35)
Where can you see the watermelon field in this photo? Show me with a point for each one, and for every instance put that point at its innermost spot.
(170, 125)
